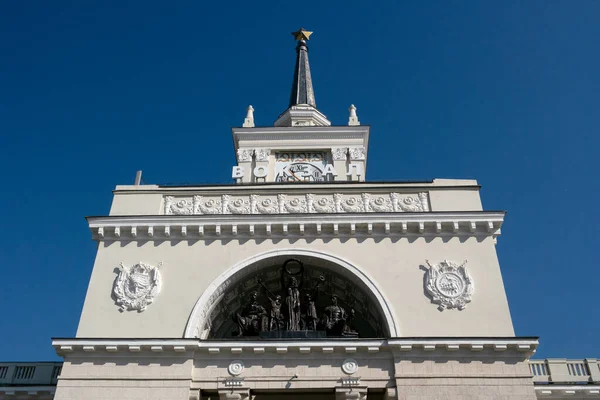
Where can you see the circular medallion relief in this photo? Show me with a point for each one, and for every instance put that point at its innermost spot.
(349, 366)
(450, 284)
(236, 367)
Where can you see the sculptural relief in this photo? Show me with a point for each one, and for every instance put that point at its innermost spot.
(449, 284)
(294, 312)
(136, 287)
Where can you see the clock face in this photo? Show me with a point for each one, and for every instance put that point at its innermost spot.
(300, 166)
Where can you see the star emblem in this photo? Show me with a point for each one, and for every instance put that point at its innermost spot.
(301, 34)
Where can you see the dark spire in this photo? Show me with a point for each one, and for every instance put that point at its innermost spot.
(302, 88)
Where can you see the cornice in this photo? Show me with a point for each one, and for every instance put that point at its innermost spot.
(344, 225)
(524, 346)
(360, 132)
(270, 187)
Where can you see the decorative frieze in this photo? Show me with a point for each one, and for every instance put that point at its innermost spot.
(262, 154)
(357, 153)
(244, 155)
(297, 204)
(339, 153)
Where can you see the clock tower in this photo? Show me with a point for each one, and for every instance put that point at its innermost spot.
(302, 146)
(299, 281)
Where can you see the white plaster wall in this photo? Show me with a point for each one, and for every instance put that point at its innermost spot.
(444, 194)
(189, 267)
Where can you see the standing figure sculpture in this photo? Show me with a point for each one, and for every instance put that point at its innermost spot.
(275, 315)
(292, 297)
(310, 312)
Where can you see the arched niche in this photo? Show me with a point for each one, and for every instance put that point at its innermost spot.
(211, 316)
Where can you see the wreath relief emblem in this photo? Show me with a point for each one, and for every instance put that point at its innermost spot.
(135, 288)
(449, 284)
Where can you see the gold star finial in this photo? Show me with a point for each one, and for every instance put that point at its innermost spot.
(301, 34)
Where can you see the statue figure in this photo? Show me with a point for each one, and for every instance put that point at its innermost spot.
(334, 318)
(252, 319)
(349, 330)
(310, 313)
(292, 311)
(275, 315)
(292, 297)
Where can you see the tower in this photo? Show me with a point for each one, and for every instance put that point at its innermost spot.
(300, 280)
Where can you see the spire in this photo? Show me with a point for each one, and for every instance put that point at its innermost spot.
(302, 110)
(302, 88)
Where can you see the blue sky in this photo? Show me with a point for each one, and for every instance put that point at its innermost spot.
(504, 92)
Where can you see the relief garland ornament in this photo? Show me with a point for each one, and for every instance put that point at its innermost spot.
(449, 284)
(137, 287)
(310, 203)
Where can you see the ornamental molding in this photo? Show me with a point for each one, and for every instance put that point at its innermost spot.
(235, 368)
(282, 203)
(339, 153)
(524, 346)
(292, 226)
(245, 155)
(449, 284)
(349, 366)
(136, 287)
(357, 153)
(262, 154)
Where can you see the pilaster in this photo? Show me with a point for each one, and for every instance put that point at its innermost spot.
(261, 158)
(357, 157)
(244, 160)
(340, 162)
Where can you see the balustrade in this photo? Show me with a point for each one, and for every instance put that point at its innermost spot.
(561, 370)
(43, 373)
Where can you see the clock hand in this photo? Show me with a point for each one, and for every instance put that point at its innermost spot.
(294, 175)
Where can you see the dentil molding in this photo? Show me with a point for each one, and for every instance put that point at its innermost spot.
(279, 225)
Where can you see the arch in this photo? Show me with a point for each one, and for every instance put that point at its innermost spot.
(207, 301)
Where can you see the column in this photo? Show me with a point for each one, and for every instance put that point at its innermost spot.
(244, 158)
(261, 158)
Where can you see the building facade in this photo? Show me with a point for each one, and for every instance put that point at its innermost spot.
(302, 280)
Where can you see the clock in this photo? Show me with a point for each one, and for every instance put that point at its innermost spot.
(300, 166)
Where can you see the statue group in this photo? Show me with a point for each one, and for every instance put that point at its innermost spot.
(291, 311)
